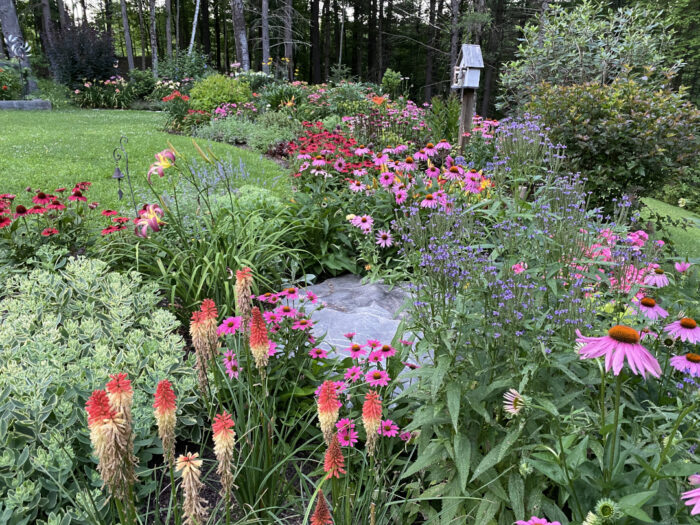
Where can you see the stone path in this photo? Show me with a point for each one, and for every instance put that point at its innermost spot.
(373, 311)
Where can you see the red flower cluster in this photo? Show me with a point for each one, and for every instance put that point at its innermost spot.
(176, 94)
(98, 408)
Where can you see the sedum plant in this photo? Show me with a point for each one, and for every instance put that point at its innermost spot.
(61, 335)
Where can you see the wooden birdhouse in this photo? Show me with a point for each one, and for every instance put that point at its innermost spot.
(468, 68)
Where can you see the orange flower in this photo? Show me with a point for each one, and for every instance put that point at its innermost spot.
(165, 418)
(120, 393)
(378, 100)
(371, 419)
(259, 343)
(334, 462)
(193, 506)
(209, 310)
(322, 514)
(204, 338)
(328, 407)
(224, 438)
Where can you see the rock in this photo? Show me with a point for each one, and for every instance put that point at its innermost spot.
(26, 105)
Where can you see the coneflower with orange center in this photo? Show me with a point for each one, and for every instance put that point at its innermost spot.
(194, 505)
(334, 461)
(371, 419)
(328, 407)
(259, 343)
(164, 411)
(224, 439)
(244, 301)
(322, 514)
(111, 444)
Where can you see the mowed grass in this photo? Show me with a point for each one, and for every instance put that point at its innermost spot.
(687, 241)
(47, 150)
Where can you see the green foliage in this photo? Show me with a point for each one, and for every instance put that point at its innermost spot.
(215, 90)
(625, 138)
(58, 94)
(115, 93)
(267, 134)
(276, 95)
(142, 83)
(10, 85)
(257, 80)
(443, 117)
(392, 83)
(61, 334)
(231, 130)
(183, 66)
(589, 43)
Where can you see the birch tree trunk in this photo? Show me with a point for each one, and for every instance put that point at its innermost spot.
(239, 30)
(454, 35)
(154, 38)
(168, 28)
(315, 44)
(265, 21)
(288, 49)
(10, 27)
(127, 37)
(194, 27)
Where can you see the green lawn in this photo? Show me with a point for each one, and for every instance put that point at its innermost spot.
(47, 150)
(687, 241)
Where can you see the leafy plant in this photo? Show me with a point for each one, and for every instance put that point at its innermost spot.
(181, 66)
(141, 82)
(113, 93)
(10, 85)
(80, 52)
(391, 83)
(214, 90)
(443, 117)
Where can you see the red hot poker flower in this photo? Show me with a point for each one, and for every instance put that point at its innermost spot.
(334, 462)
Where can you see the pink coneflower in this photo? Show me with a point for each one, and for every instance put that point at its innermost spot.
(36, 210)
(473, 182)
(519, 267)
(304, 156)
(266, 298)
(377, 378)
(4, 222)
(380, 159)
(384, 238)
(362, 150)
(229, 326)
(48, 232)
(536, 521)
(443, 144)
(387, 351)
(621, 343)
(646, 332)
(430, 149)
(7, 197)
(347, 435)
(429, 201)
(388, 428)
(386, 179)
(420, 155)
(340, 164)
(349, 335)
(356, 186)
(364, 222)
(353, 374)
(400, 148)
(272, 317)
(433, 172)
(375, 357)
(109, 213)
(513, 402)
(688, 363)
(318, 161)
(21, 211)
(360, 172)
(290, 293)
(682, 267)
(373, 343)
(302, 324)
(77, 195)
(651, 310)
(656, 278)
(318, 353)
(400, 195)
(356, 350)
(407, 165)
(272, 350)
(411, 366)
(405, 436)
(454, 172)
(42, 198)
(686, 328)
(286, 311)
(311, 297)
(56, 205)
(692, 497)
(232, 368)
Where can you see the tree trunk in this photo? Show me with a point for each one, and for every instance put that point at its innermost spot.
(224, 18)
(430, 53)
(154, 38)
(239, 30)
(177, 25)
(142, 35)
(127, 36)
(108, 17)
(454, 35)
(205, 32)
(168, 28)
(265, 23)
(372, 41)
(84, 8)
(357, 32)
(380, 42)
(315, 44)
(62, 14)
(493, 57)
(386, 28)
(326, 38)
(217, 33)
(288, 50)
(194, 26)
(10, 27)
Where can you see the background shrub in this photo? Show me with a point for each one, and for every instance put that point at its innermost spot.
(257, 80)
(231, 130)
(215, 90)
(61, 334)
(443, 117)
(142, 83)
(391, 83)
(10, 86)
(623, 137)
(81, 52)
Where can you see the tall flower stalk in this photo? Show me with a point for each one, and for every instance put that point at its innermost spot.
(193, 507)
(203, 329)
(224, 439)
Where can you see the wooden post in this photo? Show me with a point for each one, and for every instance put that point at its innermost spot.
(467, 115)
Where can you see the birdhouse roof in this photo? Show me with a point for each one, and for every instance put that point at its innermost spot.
(471, 56)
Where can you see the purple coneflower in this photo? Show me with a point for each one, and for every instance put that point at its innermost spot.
(513, 402)
(443, 144)
(356, 186)
(686, 328)
(656, 278)
(377, 378)
(400, 195)
(388, 428)
(318, 353)
(621, 343)
(318, 161)
(353, 374)
(384, 239)
(688, 363)
(420, 155)
(229, 326)
(682, 267)
(386, 179)
(429, 201)
(356, 350)
(692, 497)
(651, 310)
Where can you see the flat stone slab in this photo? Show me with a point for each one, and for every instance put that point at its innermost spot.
(372, 311)
(26, 105)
